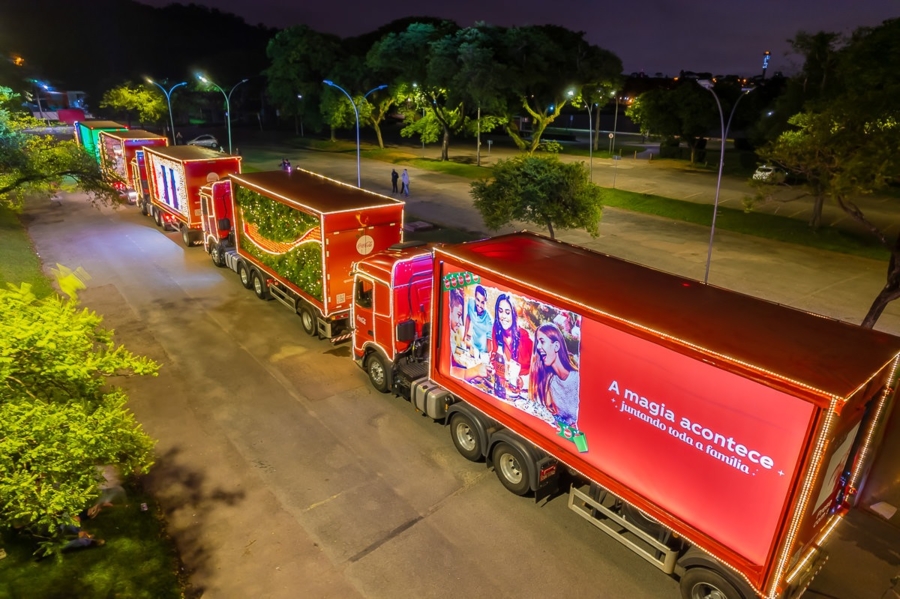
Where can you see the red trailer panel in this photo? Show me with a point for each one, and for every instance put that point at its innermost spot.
(117, 151)
(741, 425)
(176, 175)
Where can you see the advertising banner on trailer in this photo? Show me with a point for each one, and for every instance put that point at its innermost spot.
(715, 450)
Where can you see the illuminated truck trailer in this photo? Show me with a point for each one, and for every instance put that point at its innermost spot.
(87, 134)
(720, 436)
(293, 236)
(175, 175)
(119, 152)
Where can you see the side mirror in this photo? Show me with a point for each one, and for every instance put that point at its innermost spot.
(406, 330)
(224, 224)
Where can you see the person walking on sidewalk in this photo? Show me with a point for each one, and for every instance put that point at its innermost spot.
(405, 178)
(394, 177)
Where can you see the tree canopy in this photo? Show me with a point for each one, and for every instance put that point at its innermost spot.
(541, 191)
(60, 417)
(31, 162)
(845, 142)
(147, 102)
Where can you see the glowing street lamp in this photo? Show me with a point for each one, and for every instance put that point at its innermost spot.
(356, 112)
(168, 101)
(227, 102)
(590, 139)
(708, 86)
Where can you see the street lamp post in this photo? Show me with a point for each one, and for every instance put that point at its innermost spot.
(590, 140)
(612, 140)
(169, 102)
(356, 112)
(707, 85)
(227, 102)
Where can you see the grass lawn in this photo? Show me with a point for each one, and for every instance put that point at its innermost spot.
(769, 226)
(137, 561)
(18, 262)
(737, 162)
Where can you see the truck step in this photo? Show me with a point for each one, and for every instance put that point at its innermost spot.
(279, 294)
(651, 549)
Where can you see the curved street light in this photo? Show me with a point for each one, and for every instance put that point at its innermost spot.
(708, 86)
(168, 101)
(590, 139)
(356, 112)
(227, 102)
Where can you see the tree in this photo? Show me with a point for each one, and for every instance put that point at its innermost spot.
(300, 59)
(541, 191)
(846, 144)
(408, 59)
(544, 63)
(34, 163)
(60, 417)
(686, 112)
(148, 102)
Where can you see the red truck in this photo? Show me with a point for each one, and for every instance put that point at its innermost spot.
(120, 153)
(293, 235)
(176, 174)
(720, 436)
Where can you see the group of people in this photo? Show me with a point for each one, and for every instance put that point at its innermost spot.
(404, 181)
(285, 165)
(500, 342)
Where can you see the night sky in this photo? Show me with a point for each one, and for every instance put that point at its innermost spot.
(721, 36)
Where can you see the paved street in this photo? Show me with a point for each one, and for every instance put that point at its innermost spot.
(284, 475)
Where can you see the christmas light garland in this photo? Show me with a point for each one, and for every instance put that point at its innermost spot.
(274, 221)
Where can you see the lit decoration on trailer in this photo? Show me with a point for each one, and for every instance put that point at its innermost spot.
(168, 175)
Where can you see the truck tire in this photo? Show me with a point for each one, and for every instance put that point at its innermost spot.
(215, 252)
(307, 320)
(511, 468)
(465, 437)
(260, 288)
(703, 583)
(187, 236)
(157, 217)
(245, 276)
(378, 372)
(144, 210)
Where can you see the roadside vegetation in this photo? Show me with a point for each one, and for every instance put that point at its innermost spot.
(137, 560)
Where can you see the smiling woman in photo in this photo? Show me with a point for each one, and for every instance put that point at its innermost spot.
(554, 376)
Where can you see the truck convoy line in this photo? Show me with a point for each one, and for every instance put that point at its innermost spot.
(721, 437)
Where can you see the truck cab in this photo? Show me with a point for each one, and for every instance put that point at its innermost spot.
(217, 216)
(391, 314)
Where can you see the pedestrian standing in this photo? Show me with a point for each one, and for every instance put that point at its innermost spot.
(405, 179)
(394, 177)
(178, 139)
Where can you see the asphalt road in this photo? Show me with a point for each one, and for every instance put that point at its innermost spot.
(282, 473)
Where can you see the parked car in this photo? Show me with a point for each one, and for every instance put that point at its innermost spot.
(206, 140)
(768, 174)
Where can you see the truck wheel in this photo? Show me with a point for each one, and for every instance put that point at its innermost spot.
(703, 583)
(144, 209)
(307, 320)
(157, 217)
(259, 286)
(512, 468)
(465, 437)
(215, 252)
(244, 274)
(187, 237)
(377, 371)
